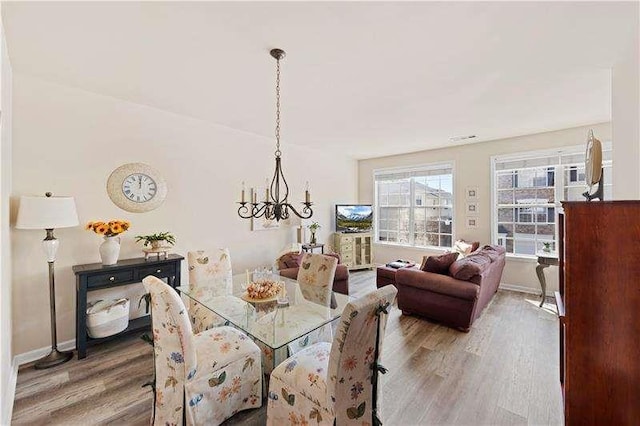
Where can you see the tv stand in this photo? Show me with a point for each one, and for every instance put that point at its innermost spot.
(355, 249)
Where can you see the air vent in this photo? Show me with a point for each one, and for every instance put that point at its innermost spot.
(461, 138)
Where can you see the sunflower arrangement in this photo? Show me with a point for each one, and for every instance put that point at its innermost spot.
(108, 229)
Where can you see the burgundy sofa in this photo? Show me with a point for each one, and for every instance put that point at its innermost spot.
(289, 263)
(453, 301)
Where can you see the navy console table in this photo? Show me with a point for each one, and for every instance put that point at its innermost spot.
(95, 276)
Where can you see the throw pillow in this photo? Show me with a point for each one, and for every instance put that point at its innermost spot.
(439, 264)
(464, 248)
(424, 262)
(290, 260)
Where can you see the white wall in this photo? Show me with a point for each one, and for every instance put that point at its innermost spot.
(7, 379)
(68, 141)
(472, 167)
(625, 114)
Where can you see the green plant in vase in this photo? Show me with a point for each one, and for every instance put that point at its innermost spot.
(314, 228)
(546, 247)
(156, 241)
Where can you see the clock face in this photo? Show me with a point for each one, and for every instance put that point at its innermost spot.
(139, 187)
(136, 187)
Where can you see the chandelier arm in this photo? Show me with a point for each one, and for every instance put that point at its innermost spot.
(269, 212)
(275, 184)
(307, 211)
(259, 210)
(284, 214)
(286, 186)
(243, 211)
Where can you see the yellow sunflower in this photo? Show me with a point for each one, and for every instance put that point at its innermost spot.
(116, 227)
(101, 229)
(89, 226)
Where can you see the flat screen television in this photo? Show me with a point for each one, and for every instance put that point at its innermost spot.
(354, 217)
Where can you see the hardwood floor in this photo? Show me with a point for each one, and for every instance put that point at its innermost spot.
(504, 371)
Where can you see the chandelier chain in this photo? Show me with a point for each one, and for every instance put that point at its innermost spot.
(276, 204)
(278, 152)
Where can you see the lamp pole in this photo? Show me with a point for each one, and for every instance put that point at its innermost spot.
(50, 245)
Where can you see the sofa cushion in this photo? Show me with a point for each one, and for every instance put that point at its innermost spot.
(439, 264)
(436, 283)
(470, 266)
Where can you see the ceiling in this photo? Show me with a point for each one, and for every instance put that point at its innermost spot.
(367, 78)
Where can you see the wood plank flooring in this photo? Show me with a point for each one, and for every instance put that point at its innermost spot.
(503, 372)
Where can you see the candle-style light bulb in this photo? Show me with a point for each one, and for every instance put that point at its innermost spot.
(255, 196)
(266, 192)
(243, 188)
(307, 195)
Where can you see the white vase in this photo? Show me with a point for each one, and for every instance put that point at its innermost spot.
(110, 250)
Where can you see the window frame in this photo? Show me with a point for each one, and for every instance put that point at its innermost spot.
(412, 206)
(559, 186)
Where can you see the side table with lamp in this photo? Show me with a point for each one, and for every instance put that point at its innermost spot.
(49, 213)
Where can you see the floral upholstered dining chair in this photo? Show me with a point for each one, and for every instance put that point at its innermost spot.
(207, 377)
(335, 382)
(210, 273)
(315, 277)
(315, 280)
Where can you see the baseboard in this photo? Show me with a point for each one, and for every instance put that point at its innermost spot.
(18, 360)
(36, 354)
(7, 400)
(523, 289)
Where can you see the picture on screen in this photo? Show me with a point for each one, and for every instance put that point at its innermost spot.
(354, 218)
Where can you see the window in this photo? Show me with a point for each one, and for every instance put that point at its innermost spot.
(414, 207)
(527, 191)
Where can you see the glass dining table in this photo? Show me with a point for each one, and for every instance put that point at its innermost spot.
(271, 324)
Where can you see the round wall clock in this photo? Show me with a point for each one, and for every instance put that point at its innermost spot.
(136, 187)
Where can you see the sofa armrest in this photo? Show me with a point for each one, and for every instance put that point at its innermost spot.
(437, 283)
(342, 273)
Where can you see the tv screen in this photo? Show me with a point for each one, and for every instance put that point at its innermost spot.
(354, 217)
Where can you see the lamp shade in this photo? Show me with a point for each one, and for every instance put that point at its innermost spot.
(46, 213)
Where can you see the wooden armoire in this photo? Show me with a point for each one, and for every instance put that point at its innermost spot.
(599, 309)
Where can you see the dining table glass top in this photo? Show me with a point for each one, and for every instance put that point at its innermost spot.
(276, 322)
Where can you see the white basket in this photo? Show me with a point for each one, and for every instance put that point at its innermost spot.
(106, 318)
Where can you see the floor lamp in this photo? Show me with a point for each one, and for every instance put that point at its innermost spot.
(48, 213)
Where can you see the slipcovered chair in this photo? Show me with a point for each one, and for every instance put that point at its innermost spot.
(210, 273)
(288, 265)
(315, 280)
(335, 382)
(212, 375)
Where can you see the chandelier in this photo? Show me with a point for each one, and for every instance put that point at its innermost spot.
(276, 198)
